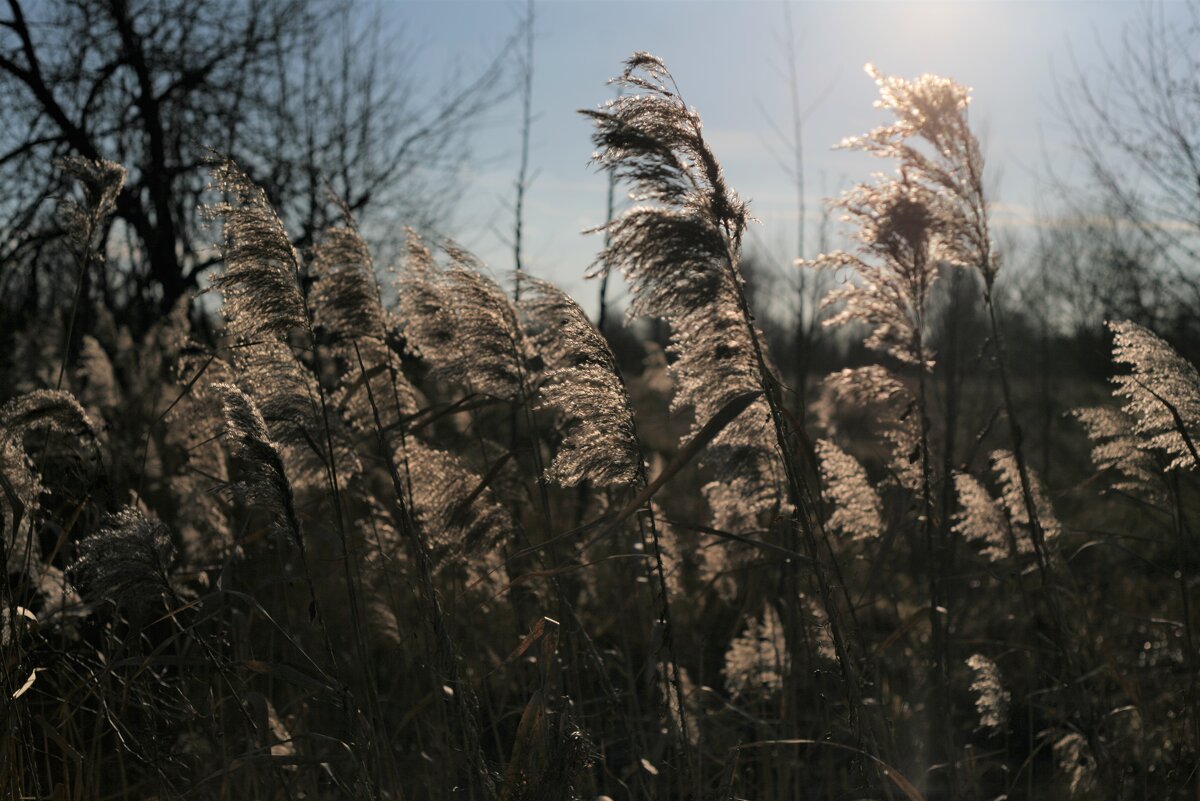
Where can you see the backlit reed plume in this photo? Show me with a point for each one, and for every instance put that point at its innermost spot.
(101, 182)
(345, 297)
(875, 389)
(581, 381)
(263, 284)
(349, 308)
(99, 389)
(757, 659)
(818, 630)
(900, 227)
(934, 147)
(1004, 463)
(1161, 393)
(263, 481)
(991, 699)
(375, 391)
(457, 512)
(42, 411)
(260, 280)
(55, 410)
(980, 519)
(1075, 762)
(679, 252)
(462, 322)
(288, 396)
(857, 509)
(1116, 448)
(127, 562)
(18, 499)
(932, 142)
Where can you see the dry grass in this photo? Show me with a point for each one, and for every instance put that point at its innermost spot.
(445, 550)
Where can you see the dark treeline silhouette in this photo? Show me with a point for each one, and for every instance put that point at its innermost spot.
(301, 92)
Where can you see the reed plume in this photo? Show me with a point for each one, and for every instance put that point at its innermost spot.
(53, 410)
(345, 296)
(1118, 447)
(127, 562)
(876, 389)
(462, 322)
(264, 482)
(1161, 393)
(980, 519)
(757, 659)
(679, 251)
(375, 385)
(857, 508)
(1076, 762)
(1004, 463)
(261, 277)
(991, 699)
(932, 142)
(900, 226)
(581, 381)
(101, 182)
(19, 495)
(458, 513)
(291, 401)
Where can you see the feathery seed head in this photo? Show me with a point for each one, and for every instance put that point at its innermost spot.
(56, 410)
(1075, 762)
(1004, 463)
(458, 514)
(264, 483)
(857, 509)
(101, 182)
(346, 298)
(900, 225)
(679, 253)
(1161, 393)
(26, 486)
(925, 107)
(260, 280)
(126, 562)
(758, 658)
(385, 391)
(462, 322)
(991, 699)
(286, 393)
(582, 382)
(933, 143)
(875, 387)
(980, 519)
(1116, 446)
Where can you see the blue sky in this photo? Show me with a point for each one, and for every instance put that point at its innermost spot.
(728, 58)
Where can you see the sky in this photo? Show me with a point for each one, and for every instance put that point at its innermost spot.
(730, 59)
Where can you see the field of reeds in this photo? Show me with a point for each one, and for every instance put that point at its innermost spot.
(335, 529)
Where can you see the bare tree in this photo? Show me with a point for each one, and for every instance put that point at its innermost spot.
(1137, 125)
(524, 178)
(808, 286)
(299, 92)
